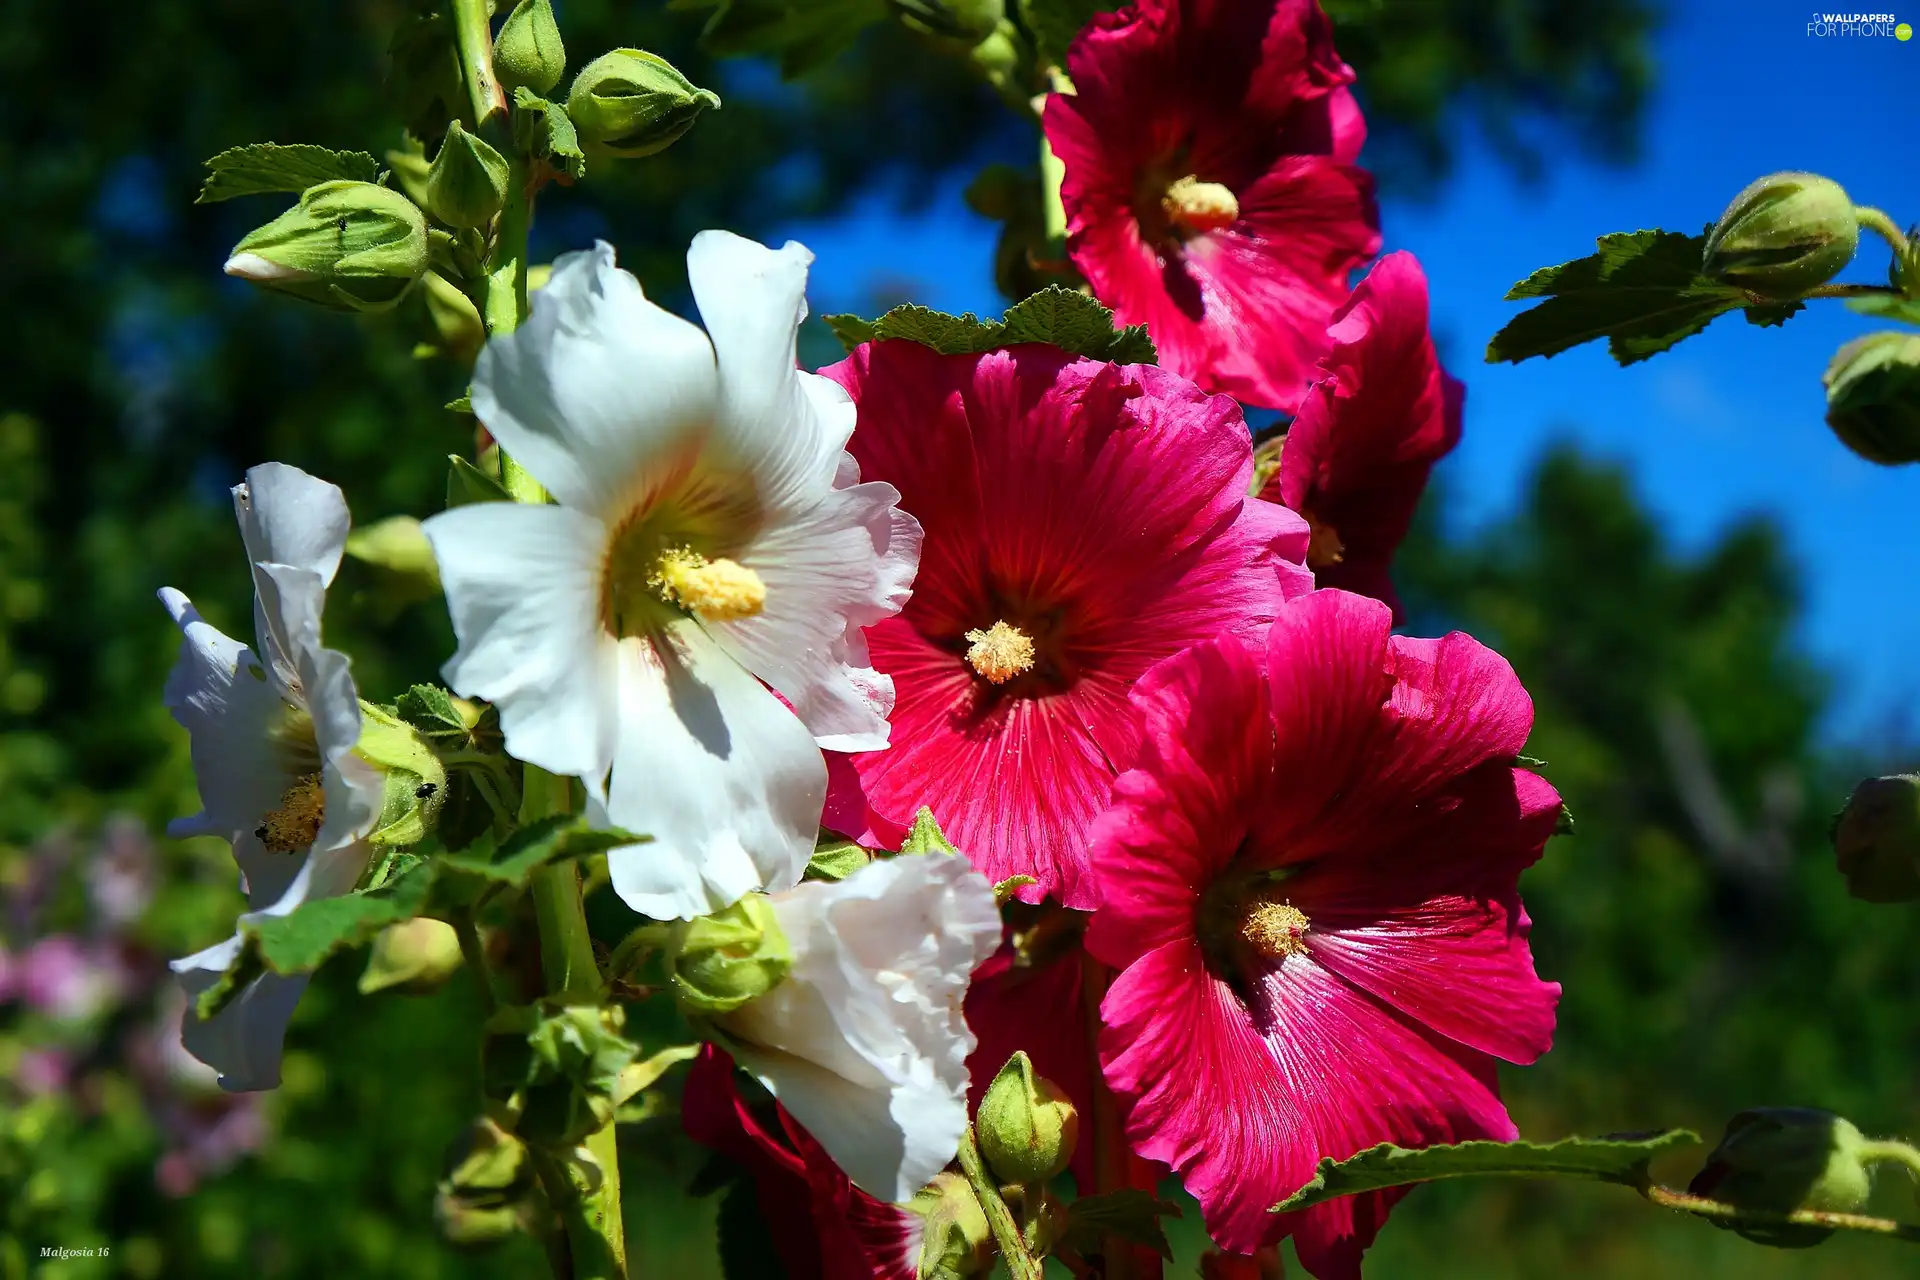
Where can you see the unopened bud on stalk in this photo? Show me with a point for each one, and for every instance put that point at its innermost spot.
(631, 103)
(528, 50)
(1026, 1125)
(468, 181)
(966, 20)
(721, 961)
(1783, 235)
(417, 956)
(1876, 840)
(957, 1243)
(353, 246)
(1873, 397)
(1784, 1159)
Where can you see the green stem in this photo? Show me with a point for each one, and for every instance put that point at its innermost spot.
(1885, 227)
(476, 957)
(474, 34)
(1021, 1264)
(1719, 1211)
(1891, 1152)
(506, 304)
(1851, 291)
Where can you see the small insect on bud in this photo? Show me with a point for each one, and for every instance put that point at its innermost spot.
(1876, 839)
(1026, 1125)
(720, 962)
(528, 50)
(1783, 1159)
(352, 246)
(631, 103)
(468, 181)
(1783, 235)
(1873, 397)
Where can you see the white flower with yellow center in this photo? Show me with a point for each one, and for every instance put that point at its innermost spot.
(708, 533)
(272, 733)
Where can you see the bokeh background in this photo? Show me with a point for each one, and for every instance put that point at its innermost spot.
(1711, 600)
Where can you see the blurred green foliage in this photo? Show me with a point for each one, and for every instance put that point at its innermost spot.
(1710, 957)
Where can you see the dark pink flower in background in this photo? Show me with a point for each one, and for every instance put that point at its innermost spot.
(1381, 414)
(822, 1226)
(1082, 520)
(1210, 186)
(1309, 886)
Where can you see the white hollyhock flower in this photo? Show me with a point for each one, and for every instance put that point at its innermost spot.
(864, 1042)
(272, 732)
(710, 532)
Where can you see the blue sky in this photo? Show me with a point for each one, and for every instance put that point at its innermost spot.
(1728, 424)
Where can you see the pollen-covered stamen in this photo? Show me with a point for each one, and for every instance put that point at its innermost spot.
(1197, 207)
(295, 824)
(720, 590)
(1001, 652)
(1274, 929)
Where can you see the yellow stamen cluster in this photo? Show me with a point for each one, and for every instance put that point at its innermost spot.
(295, 824)
(720, 590)
(1274, 929)
(1001, 652)
(1198, 207)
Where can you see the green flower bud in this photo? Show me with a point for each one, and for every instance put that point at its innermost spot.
(1783, 235)
(417, 956)
(468, 181)
(1782, 1159)
(957, 1243)
(485, 1179)
(721, 961)
(1873, 397)
(1876, 839)
(424, 78)
(416, 781)
(631, 103)
(1026, 1125)
(969, 20)
(458, 322)
(528, 50)
(352, 246)
(410, 169)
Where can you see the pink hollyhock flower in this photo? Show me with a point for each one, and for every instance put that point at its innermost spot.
(823, 1227)
(1210, 188)
(1309, 886)
(1383, 412)
(1082, 521)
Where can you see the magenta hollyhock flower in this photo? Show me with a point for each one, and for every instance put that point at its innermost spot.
(1210, 189)
(1308, 884)
(1382, 413)
(822, 1226)
(1082, 520)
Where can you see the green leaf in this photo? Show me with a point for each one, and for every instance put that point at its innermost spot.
(468, 483)
(1885, 305)
(1055, 23)
(1770, 314)
(924, 836)
(535, 845)
(836, 860)
(949, 335)
(430, 709)
(262, 167)
(850, 329)
(803, 33)
(301, 940)
(1643, 292)
(1064, 318)
(1131, 1214)
(1621, 1159)
(463, 405)
(545, 131)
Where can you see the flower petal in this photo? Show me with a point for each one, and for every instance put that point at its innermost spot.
(243, 1041)
(710, 764)
(289, 517)
(522, 584)
(595, 384)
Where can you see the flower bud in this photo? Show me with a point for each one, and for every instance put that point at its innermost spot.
(486, 1176)
(1026, 1125)
(969, 20)
(416, 781)
(721, 961)
(1876, 839)
(1782, 1159)
(417, 956)
(631, 103)
(1873, 397)
(352, 246)
(957, 1242)
(528, 50)
(468, 180)
(458, 323)
(1783, 235)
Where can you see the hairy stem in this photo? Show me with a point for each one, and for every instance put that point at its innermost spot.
(1892, 1152)
(1734, 1215)
(1883, 226)
(1021, 1264)
(474, 35)
(506, 289)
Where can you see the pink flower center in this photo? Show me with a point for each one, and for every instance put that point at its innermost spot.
(1274, 929)
(1195, 207)
(1000, 652)
(1245, 921)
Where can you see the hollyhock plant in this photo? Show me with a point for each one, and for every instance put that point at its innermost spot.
(1209, 187)
(272, 734)
(822, 1226)
(1083, 520)
(1308, 885)
(1381, 414)
(864, 1040)
(709, 534)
